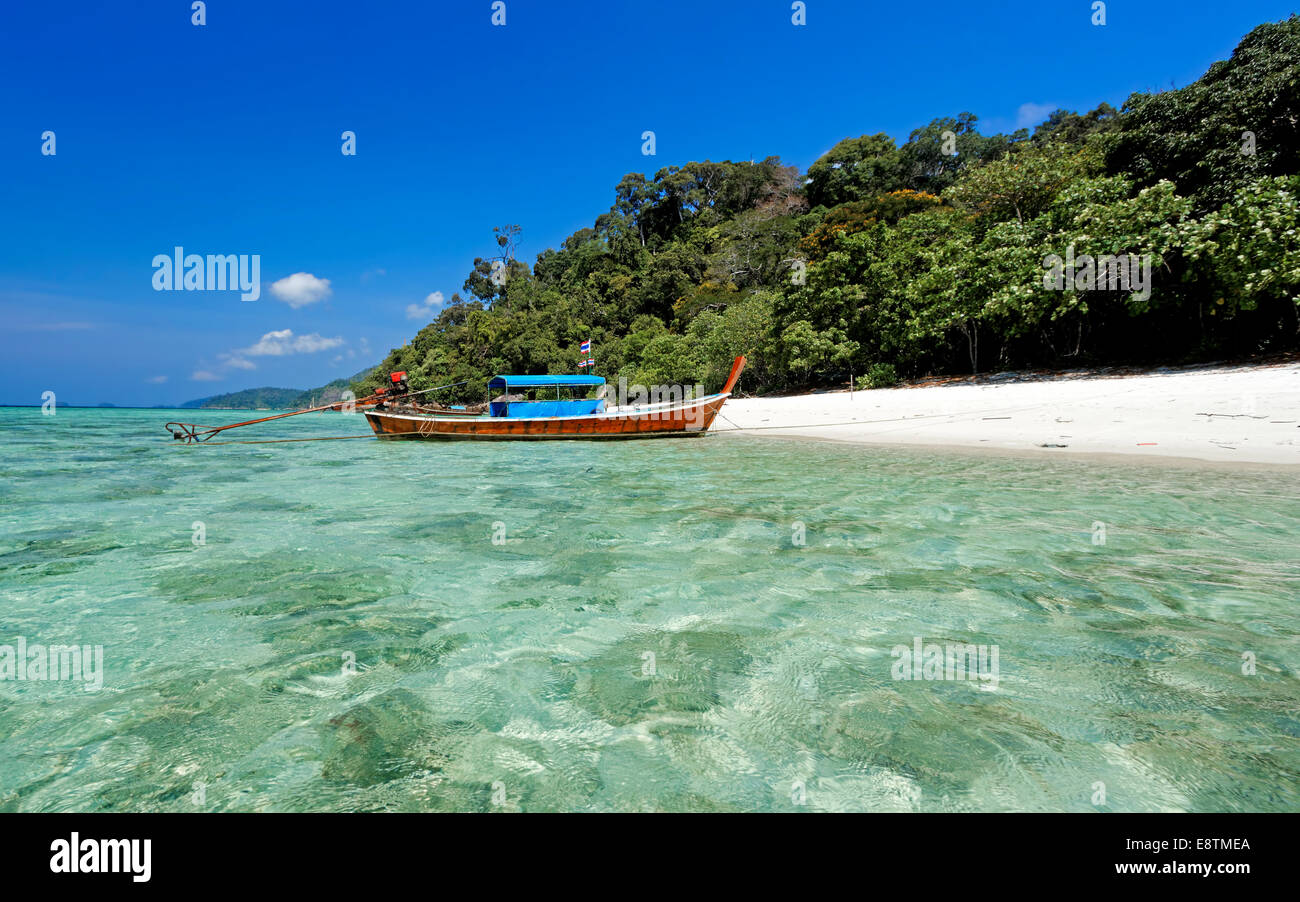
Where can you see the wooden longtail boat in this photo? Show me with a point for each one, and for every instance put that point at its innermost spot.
(394, 412)
(512, 417)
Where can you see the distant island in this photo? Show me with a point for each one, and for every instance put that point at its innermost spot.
(268, 398)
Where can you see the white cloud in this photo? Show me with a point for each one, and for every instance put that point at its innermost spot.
(239, 363)
(310, 344)
(1031, 114)
(156, 380)
(282, 342)
(425, 311)
(301, 289)
(279, 343)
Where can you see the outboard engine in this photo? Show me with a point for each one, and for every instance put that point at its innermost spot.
(398, 384)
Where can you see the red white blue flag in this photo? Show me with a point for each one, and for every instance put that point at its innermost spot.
(585, 348)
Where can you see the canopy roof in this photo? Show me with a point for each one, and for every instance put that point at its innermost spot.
(536, 381)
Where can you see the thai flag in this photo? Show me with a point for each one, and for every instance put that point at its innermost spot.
(585, 347)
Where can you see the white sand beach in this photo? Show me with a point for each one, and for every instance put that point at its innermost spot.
(1246, 414)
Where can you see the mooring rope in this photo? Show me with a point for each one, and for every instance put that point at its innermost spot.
(191, 434)
(277, 441)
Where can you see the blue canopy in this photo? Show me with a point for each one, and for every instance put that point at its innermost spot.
(539, 381)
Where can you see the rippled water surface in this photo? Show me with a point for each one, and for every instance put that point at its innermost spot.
(634, 625)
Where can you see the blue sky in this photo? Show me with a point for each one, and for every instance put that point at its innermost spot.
(226, 139)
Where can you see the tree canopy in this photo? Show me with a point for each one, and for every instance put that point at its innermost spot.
(925, 257)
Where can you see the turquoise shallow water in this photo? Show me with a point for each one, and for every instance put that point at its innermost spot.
(644, 634)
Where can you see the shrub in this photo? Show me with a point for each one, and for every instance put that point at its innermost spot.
(881, 375)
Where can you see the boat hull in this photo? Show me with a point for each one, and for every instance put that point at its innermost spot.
(674, 419)
(679, 421)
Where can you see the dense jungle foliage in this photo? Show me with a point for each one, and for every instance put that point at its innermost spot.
(890, 261)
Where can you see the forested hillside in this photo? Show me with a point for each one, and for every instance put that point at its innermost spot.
(330, 391)
(265, 398)
(886, 260)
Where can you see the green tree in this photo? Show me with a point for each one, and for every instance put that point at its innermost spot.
(856, 169)
(1239, 122)
(1020, 185)
(936, 155)
(1252, 245)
